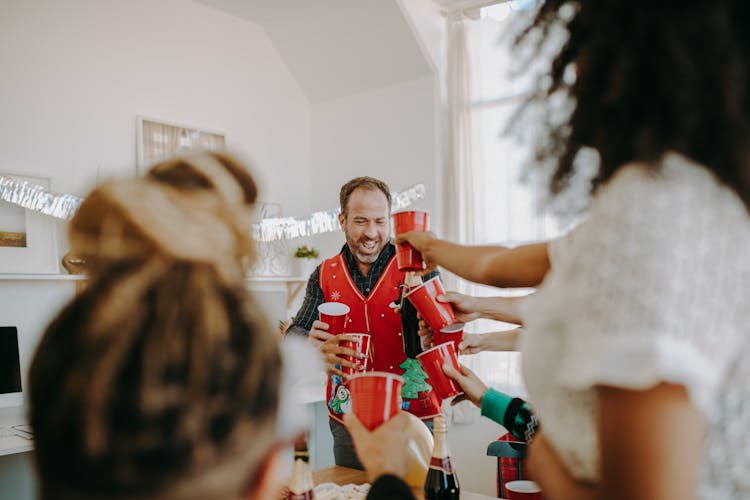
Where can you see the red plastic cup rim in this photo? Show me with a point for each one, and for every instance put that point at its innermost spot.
(454, 328)
(333, 308)
(523, 486)
(436, 348)
(407, 211)
(416, 220)
(397, 378)
(356, 335)
(422, 286)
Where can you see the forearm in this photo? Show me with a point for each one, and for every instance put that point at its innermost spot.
(546, 468)
(651, 443)
(500, 341)
(523, 266)
(499, 308)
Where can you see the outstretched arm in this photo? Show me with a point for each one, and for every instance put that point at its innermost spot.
(473, 343)
(522, 266)
(469, 308)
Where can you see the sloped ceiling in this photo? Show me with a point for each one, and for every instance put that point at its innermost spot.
(336, 48)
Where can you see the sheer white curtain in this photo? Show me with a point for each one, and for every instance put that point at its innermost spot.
(463, 196)
(493, 196)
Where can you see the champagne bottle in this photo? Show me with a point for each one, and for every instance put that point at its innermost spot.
(301, 485)
(409, 321)
(441, 482)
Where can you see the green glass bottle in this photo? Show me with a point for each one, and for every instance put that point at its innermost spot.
(441, 482)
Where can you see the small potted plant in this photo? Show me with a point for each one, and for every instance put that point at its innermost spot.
(306, 259)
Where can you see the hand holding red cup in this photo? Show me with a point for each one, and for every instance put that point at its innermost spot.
(359, 342)
(376, 397)
(407, 257)
(432, 361)
(451, 333)
(437, 315)
(335, 314)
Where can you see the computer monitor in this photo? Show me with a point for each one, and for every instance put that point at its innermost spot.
(10, 368)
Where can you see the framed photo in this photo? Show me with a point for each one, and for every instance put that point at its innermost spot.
(27, 238)
(158, 139)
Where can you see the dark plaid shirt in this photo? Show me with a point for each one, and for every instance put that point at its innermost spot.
(308, 313)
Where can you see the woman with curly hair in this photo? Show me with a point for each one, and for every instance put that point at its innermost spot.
(161, 378)
(636, 350)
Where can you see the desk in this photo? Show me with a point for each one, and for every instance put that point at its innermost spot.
(344, 475)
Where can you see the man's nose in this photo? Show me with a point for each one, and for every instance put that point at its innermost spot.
(371, 231)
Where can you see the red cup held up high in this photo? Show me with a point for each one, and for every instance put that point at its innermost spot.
(407, 258)
(376, 397)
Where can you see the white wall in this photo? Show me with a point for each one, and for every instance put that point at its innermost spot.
(76, 73)
(387, 133)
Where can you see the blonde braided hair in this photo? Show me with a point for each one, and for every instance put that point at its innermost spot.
(159, 380)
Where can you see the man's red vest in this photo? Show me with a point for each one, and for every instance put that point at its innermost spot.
(374, 316)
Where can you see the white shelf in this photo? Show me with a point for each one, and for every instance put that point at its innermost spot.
(43, 277)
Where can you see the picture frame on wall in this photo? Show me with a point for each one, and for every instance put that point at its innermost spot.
(159, 139)
(28, 243)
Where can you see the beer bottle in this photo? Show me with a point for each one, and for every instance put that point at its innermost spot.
(409, 321)
(441, 482)
(301, 485)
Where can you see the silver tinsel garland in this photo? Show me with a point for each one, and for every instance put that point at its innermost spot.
(34, 197)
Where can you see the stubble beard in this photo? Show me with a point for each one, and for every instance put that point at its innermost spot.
(362, 257)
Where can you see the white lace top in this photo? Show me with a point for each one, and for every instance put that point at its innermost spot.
(654, 286)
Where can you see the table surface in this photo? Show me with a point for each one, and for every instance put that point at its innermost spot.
(344, 475)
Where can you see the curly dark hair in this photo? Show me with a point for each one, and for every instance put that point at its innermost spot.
(651, 77)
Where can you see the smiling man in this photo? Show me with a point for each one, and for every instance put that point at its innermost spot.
(364, 276)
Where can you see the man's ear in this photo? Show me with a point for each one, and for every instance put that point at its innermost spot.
(341, 220)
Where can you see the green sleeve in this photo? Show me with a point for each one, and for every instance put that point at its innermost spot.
(494, 405)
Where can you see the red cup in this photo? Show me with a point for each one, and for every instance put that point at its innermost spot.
(432, 361)
(452, 333)
(407, 258)
(361, 343)
(376, 397)
(438, 315)
(523, 490)
(335, 314)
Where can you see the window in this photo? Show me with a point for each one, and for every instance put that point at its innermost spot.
(508, 206)
(514, 193)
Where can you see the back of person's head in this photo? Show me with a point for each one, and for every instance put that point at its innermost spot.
(368, 183)
(161, 378)
(646, 78)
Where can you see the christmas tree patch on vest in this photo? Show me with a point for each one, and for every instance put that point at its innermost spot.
(415, 379)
